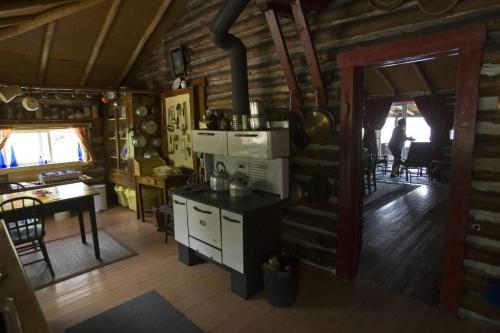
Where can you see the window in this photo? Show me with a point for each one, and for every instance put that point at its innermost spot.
(33, 147)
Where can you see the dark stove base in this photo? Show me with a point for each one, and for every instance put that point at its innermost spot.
(243, 285)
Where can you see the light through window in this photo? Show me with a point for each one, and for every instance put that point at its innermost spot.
(33, 147)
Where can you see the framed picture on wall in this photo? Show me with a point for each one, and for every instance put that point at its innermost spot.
(178, 62)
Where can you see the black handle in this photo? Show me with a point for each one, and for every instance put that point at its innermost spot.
(207, 134)
(201, 210)
(230, 219)
(246, 135)
(179, 203)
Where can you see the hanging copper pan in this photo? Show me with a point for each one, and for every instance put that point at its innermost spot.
(386, 4)
(318, 124)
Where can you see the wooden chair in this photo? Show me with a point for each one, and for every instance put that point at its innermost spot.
(11, 187)
(419, 157)
(369, 173)
(26, 225)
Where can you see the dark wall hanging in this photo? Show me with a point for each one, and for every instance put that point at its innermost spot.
(178, 62)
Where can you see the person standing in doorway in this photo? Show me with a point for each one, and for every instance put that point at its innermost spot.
(396, 144)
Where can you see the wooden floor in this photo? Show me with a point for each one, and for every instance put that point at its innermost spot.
(403, 243)
(325, 304)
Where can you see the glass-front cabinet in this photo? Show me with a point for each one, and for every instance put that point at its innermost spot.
(132, 130)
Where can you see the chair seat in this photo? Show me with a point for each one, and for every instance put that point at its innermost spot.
(26, 234)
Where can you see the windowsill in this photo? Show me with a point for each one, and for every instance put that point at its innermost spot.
(45, 167)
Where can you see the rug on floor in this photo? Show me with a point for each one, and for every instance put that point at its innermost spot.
(70, 257)
(149, 313)
(385, 193)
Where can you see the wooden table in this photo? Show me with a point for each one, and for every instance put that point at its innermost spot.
(162, 183)
(73, 197)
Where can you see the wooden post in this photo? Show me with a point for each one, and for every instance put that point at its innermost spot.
(282, 50)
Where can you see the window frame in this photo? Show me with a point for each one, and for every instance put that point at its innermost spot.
(43, 167)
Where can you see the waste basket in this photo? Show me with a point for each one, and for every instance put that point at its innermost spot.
(100, 202)
(281, 280)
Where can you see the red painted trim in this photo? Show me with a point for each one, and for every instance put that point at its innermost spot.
(469, 64)
(283, 55)
(349, 177)
(467, 43)
(309, 51)
(412, 49)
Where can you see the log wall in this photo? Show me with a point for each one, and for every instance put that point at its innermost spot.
(310, 230)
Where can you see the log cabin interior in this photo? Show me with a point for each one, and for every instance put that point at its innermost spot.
(249, 166)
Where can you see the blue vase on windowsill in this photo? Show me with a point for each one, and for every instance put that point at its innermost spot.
(80, 153)
(13, 159)
(3, 165)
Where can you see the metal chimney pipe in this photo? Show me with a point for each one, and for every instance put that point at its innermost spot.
(225, 18)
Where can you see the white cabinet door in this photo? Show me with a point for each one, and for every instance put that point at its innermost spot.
(204, 223)
(232, 240)
(210, 142)
(180, 220)
(264, 145)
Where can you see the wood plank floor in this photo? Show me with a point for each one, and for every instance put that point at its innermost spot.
(325, 304)
(403, 243)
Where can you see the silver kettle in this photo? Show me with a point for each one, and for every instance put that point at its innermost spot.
(219, 181)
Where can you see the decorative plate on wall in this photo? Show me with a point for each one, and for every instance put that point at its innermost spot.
(149, 126)
(386, 4)
(436, 7)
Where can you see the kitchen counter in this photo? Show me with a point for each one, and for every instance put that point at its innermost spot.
(256, 201)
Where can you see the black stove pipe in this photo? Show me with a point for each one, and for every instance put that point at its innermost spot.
(225, 18)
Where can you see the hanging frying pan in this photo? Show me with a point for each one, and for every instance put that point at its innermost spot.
(386, 4)
(318, 124)
(436, 7)
(296, 125)
(30, 103)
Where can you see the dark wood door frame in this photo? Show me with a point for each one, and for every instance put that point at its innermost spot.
(465, 42)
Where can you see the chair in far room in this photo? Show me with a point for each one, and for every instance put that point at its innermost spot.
(25, 222)
(419, 157)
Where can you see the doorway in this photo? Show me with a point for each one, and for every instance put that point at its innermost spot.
(466, 43)
(405, 203)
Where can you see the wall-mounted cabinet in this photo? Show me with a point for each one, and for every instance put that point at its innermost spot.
(265, 145)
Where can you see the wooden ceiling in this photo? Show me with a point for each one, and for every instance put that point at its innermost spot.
(419, 78)
(93, 43)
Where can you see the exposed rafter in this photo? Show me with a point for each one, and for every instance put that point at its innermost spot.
(142, 41)
(380, 72)
(10, 21)
(47, 17)
(44, 57)
(28, 7)
(108, 22)
(422, 76)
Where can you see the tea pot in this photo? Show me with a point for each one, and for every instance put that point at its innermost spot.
(219, 181)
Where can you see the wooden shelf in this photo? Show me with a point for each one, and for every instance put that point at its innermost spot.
(44, 122)
(113, 138)
(113, 119)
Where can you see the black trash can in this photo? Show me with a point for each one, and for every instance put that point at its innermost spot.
(281, 285)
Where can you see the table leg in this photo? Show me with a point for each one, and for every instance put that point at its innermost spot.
(93, 223)
(138, 211)
(141, 202)
(82, 226)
